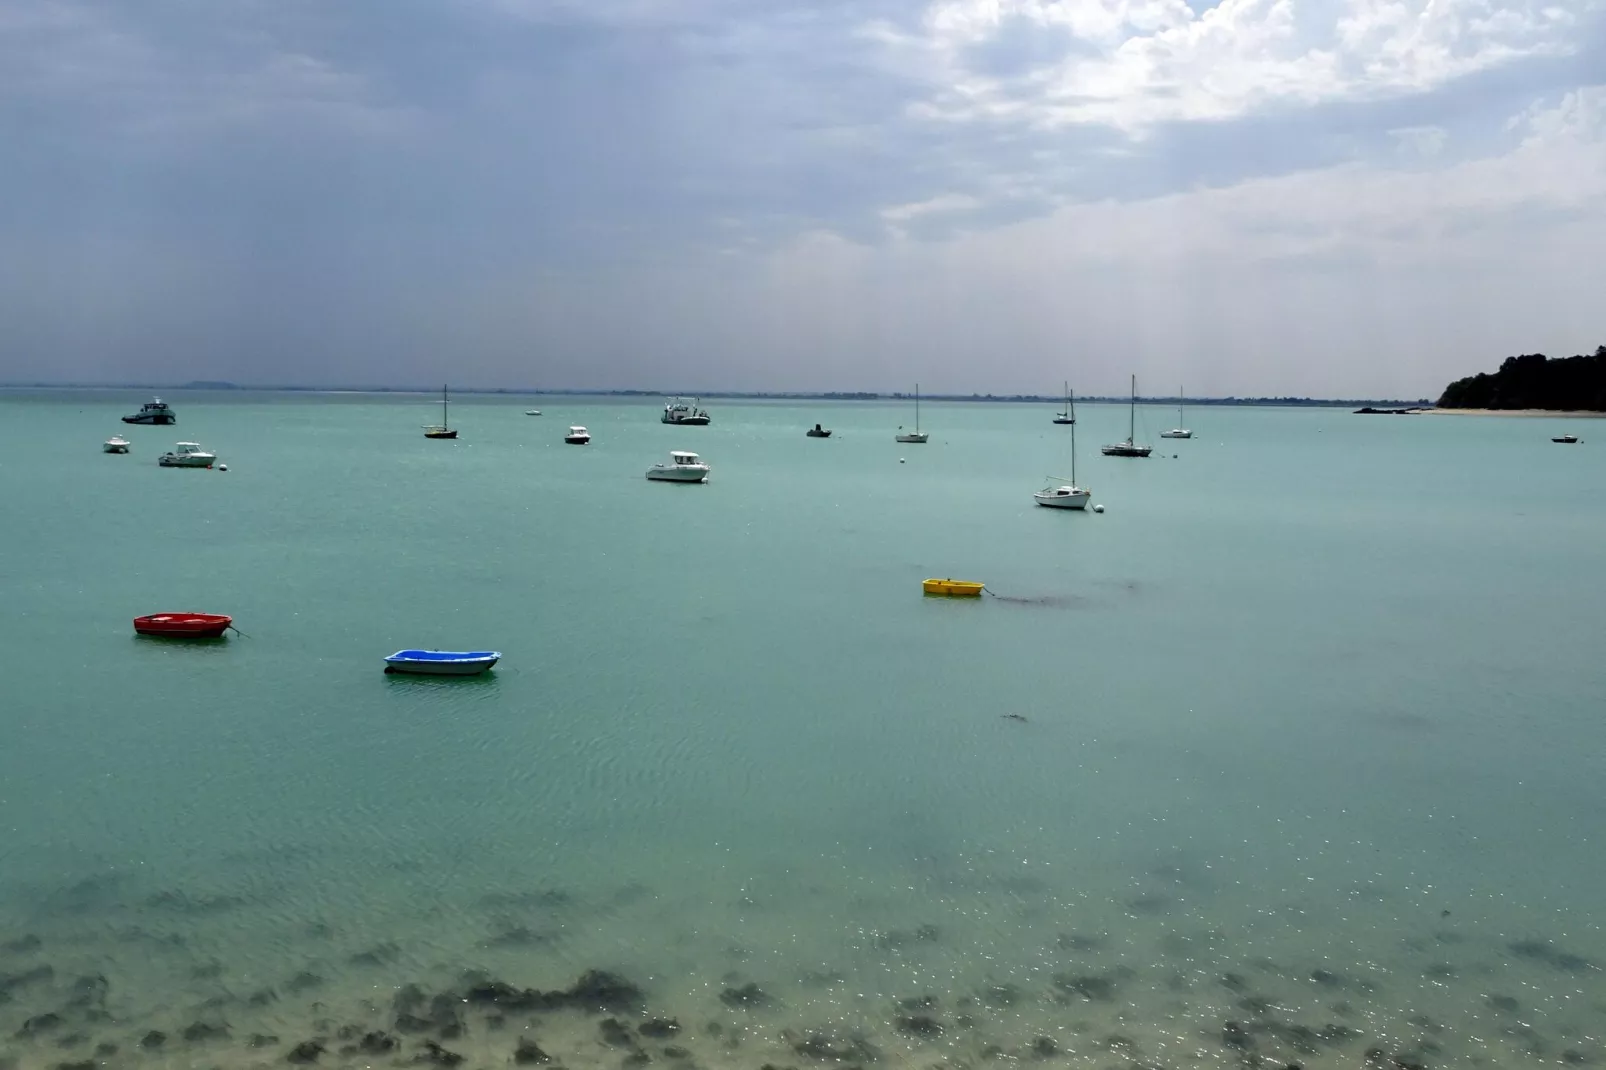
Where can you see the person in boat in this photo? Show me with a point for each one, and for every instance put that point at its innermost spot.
(816, 427)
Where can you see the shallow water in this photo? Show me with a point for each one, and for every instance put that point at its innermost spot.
(1302, 734)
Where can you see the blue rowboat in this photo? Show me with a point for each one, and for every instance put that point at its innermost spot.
(442, 662)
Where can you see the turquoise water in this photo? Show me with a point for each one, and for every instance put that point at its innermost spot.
(1312, 736)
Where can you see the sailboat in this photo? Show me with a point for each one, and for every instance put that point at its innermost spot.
(916, 435)
(1066, 416)
(1178, 431)
(1128, 448)
(532, 412)
(444, 430)
(1067, 495)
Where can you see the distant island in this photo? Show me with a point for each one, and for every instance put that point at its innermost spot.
(1535, 381)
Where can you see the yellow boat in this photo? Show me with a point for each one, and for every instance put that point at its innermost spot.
(954, 588)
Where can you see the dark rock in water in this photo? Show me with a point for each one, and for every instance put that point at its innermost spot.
(599, 990)
(304, 981)
(1234, 982)
(207, 971)
(408, 998)
(927, 934)
(378, 955)
(842, 1049)
(1045, 1048)
(261, 997)
(1440, 971)
(305, 1052)
(1256, 1005)
(154, 1039)
(377, 1042)
(529, 1053)
(675, 1051)
(72, 1040)
(1234, 1035)
(263, 1040)
(1408, 1062)
(992, 1051)
(518, 936)
(199, 1031)
(105, 1048)
(25, 979)
(89, 992)
(1334, 1034)
(636, 1058)
(1095, 988)
(1375, 1056)
(918, 1003)
(412, 1023)
(503, 995)
(1118, 1042)
(919, 1025)
(1005, 995)
(748, 995)
(1504, 1004)
(659, 1027)
(1326, 978)
(1014, 717)
(22, 945)
(964, 1021)
(714, 1029)
(437, 1055)
(87, 1064)
(1574, 1057)
(615, 1034)
(39, 1024)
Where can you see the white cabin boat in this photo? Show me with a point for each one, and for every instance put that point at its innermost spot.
(187, 455)
(1178, 431)
(577, 436)
(682, 411)
(115, 444)
(1067, 495)
(683, 467)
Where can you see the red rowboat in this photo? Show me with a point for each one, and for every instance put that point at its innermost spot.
(183, 625)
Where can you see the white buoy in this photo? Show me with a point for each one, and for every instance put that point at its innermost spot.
(222, 468)
(1098, 508)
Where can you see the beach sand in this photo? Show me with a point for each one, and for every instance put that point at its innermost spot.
(1557, 413)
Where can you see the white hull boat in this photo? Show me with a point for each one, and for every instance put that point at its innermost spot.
(682, 411)
(115, 444)
(683, 467)
(1179, 431)
(1067, 495)
(577, 436)
(187, 455)
(916, 436)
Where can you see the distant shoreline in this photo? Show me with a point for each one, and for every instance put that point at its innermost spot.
(1568, 414)
(1025, 399)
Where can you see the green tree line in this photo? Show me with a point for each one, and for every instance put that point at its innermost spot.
(1534, 381)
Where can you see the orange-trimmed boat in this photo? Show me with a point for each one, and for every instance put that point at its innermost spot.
(187, 625)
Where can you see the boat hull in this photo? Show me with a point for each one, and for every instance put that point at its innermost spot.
(1064, 419)
(573, 441)
(183, 625)
(913, 439)
(186, 460)
(953, 588)
(818, 434)
(1077, 500)
(115, 447)
(441, 662)
(687, 421)
(440, 434)
(159, 418)
(679, 474)
(1126, 451)
(1178, 433)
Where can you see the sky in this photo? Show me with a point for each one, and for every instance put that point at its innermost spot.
(1330, 198)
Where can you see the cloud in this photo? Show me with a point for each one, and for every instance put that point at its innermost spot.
(1139, 63)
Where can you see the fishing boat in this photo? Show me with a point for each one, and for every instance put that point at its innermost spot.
(1569, 439)
(184, 625)
(444, 428)
(115, 444)
(154, 411)
(186, 455)
(684, 412)
(577, 436)
(916, 435)
(442, 662)
(1066, 415)
(683, 467)
(953, 588)
(1067, 495)
(818, 432)
(1178, 431)
(1129, 448)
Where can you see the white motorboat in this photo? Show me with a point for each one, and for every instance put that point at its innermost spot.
(1178, 431)
(532, 412)
(1067, 495)
(115, 444)
(187, 455)
(1129, 448)
(916, 435)
(577, 436)
(682, 411)
(683, 467)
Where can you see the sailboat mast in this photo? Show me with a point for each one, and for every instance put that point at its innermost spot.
(1132, 413)
(444, 421)
(1070, 410)
(917, 408)
(1180, 399)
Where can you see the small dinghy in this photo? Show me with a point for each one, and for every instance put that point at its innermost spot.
(186, 625)
(442, 662)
